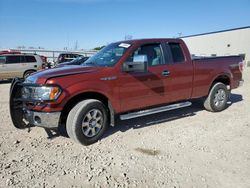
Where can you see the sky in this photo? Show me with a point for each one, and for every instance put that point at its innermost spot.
(56, 24)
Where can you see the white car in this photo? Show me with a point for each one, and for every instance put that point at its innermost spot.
(19, 65)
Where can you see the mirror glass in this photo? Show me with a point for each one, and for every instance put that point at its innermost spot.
(139, 64)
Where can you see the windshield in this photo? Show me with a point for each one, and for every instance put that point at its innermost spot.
(109, 55)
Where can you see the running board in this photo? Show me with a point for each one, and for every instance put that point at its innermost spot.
(155, 110)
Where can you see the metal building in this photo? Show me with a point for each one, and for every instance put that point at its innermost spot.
(227, 42)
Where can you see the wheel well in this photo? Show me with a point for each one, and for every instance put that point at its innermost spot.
(73, 101)
(33, 70)
(223, 79)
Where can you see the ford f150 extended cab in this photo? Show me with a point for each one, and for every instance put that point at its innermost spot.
(128, 79)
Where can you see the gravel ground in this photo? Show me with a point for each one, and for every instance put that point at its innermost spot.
(183, 148)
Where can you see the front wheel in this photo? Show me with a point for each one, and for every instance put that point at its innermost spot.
(87, 121)
(217, 99)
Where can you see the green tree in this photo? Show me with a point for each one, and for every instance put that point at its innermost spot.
(98, 48)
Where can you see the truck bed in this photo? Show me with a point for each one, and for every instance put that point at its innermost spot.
(206, 70)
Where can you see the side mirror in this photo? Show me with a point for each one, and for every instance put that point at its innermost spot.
(139, 64)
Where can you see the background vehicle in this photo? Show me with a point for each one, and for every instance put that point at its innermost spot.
(78, 61)
(9, 52)
(130, 79)
(19, 65)
(45, 62)
(66, 57)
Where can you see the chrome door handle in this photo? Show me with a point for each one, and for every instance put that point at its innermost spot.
(165, 73)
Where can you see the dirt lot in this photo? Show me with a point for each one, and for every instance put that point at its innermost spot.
(184, 148)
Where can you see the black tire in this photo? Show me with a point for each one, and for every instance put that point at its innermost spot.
(27, 73)
(217, 99)
(76, 121)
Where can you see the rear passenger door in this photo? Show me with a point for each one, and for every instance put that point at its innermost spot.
(180, 72)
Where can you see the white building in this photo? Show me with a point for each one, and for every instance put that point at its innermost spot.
(220, 43)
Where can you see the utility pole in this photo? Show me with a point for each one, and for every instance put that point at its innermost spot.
(76, 45)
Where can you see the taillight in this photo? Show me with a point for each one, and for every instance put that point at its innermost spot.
(241, 66)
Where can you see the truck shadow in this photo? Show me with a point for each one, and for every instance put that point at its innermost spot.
(234, 98)
(150, 120)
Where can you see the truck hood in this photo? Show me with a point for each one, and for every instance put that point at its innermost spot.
(60, 71)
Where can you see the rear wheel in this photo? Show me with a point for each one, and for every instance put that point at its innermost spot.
(87, 121)
(217, 98)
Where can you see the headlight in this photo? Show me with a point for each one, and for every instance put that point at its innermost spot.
(44, 93)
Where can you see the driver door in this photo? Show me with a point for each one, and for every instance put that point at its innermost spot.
(144, 89)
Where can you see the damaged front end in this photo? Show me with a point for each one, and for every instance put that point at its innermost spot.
(24, 97)
(16, 104)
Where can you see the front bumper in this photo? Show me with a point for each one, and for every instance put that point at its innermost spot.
(43, 119)
(22, 116)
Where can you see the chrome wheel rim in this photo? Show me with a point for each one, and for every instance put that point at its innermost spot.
(219, 98)
(92, 123)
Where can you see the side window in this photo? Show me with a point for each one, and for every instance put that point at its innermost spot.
(22, 59)
(2, 59)
(177, 53)
(13, 59)
(152, 51)
(30, 59)
(72, 56)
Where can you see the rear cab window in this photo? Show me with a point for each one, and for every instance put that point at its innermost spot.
(176, 52)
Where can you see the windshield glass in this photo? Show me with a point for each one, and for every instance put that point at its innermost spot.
(109, 55)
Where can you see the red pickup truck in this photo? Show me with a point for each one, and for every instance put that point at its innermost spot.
(128, 79)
